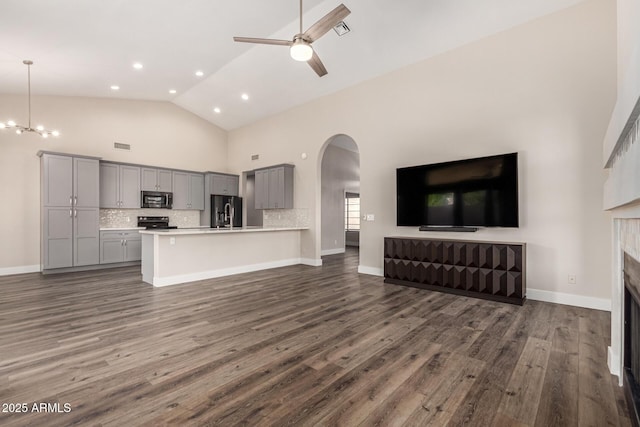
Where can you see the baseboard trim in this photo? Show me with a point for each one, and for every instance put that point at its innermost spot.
(569, 299)
(22, 269)
(373, 271)
(221, 272)
(613, 362)
(311, 262)
(332, 251)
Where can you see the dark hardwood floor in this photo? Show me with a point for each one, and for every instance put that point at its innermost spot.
(295, 346)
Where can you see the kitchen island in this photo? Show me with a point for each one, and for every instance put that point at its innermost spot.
(176, 256)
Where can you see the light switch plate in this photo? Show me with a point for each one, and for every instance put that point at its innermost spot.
(370, 217)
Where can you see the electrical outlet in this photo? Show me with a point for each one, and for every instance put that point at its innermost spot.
(128, 219)
(172, 240)
(572, 279)
(370, 217)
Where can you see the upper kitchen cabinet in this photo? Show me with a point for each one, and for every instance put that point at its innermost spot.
(154, 179)
(69, 181)
(222, 184)
(274, 187)
(188, 190)
(119, 186)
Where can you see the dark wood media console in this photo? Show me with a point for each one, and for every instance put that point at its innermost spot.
(489, 270)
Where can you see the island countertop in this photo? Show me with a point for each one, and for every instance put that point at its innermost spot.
(208, 230)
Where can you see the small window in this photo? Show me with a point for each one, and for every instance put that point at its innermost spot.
(352, 212)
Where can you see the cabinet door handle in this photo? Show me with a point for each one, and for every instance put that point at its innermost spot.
(75, 213)
(70, 200)
(75, 200)
(70, 213)
(125, 242)
(121, 242)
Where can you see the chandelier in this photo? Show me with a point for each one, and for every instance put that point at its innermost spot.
(40, 130)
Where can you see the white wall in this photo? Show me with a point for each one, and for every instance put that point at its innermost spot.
(160, 134)
(340, 173)
(545, 89)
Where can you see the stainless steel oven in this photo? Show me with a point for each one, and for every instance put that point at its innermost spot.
(156, 199)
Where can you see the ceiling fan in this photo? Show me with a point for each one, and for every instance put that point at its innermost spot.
(300, 47)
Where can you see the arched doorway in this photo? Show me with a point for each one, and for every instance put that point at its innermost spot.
(339, 195)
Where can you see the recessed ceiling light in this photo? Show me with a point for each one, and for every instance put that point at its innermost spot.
(199, 73)
(245, 96)
(216, 110)
(115, 87)
(137, 66)
(172, 91)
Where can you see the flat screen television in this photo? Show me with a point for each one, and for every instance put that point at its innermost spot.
(480, 192)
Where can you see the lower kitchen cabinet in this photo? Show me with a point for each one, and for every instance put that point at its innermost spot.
(70, 237)
(120, 246)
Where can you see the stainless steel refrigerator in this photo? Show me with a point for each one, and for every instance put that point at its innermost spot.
(225, 211)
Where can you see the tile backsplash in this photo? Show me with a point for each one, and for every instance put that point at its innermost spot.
(285, 218)
(113, 218)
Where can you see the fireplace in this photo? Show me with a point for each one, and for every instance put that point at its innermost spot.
(631, 360)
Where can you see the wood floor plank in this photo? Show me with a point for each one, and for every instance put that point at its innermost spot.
(298, 345)
(522, 395)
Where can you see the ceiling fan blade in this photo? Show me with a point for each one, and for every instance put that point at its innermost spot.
(263, 41)
(326, 23)
(317, 65)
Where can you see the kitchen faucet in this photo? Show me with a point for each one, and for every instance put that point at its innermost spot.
(229, 214)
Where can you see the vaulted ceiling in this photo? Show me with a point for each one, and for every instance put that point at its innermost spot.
(83, 47)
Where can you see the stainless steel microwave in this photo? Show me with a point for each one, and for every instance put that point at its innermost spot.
(156, 199)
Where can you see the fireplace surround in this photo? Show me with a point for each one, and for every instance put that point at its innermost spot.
(631, 331)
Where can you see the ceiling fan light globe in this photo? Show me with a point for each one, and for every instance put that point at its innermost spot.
(301, 51)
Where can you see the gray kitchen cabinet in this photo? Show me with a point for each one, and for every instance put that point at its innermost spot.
(119, 186)
(69, 181)
(57, 180)
(86, 237)
(132, 250)
(226, 185)
(57, 237)
(120, 246)
(274, 187)
(262, 189)
(188, 190)
(70, 215)
(196, 188)
(154, 179)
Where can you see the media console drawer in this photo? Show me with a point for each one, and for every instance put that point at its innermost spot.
(489, 270)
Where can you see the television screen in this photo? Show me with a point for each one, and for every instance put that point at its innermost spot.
(481, 192)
